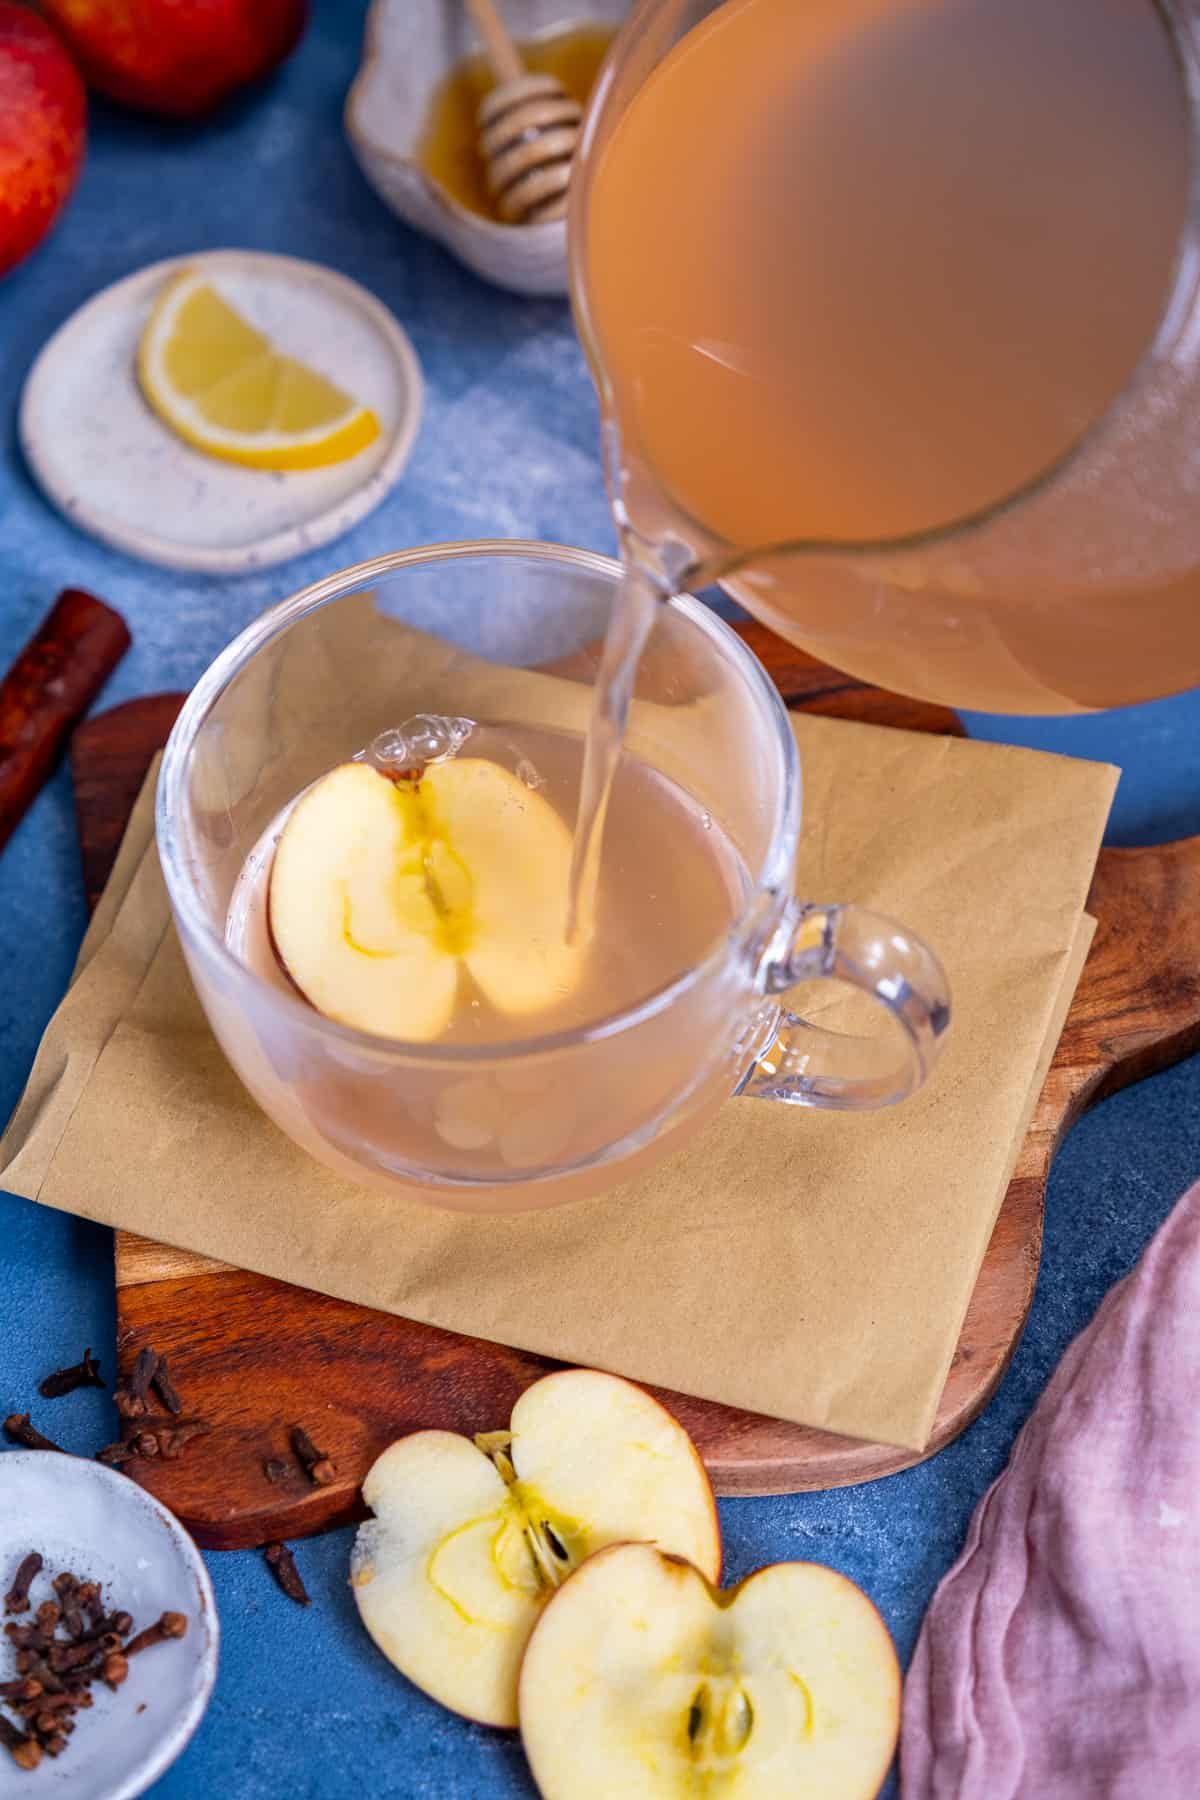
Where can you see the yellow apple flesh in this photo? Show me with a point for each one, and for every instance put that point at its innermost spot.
(471, 1539)
(641, 1681)
(382, 892)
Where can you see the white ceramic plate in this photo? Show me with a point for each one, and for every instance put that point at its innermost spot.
(117, 472)
(103, 1527)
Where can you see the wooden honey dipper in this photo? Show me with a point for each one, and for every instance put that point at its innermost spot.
(528, 128)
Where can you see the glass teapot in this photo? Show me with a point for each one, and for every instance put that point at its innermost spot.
(893, 309)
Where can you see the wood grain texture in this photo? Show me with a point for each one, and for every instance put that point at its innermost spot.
(110, 756)
(257, 1356)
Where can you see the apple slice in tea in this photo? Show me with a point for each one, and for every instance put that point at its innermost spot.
(382, 892)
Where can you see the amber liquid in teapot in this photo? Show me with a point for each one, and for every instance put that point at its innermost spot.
(859, 270)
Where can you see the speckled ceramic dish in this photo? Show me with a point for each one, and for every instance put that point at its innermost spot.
(118, 472)
(103, 1527)
(410, 45)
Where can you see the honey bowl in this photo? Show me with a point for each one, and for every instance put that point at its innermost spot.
(396, 113)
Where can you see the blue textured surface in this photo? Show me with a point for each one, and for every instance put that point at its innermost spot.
(304, 1707)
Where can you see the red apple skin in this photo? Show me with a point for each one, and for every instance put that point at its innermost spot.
(178, 59)
(43, 131)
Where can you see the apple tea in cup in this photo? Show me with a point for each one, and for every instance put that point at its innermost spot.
(419, 892)
(366, 818)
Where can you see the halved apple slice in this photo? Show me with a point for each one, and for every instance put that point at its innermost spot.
(643, 1682)
(470, 1540)
(381, 890)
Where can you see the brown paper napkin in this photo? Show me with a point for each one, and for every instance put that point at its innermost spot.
(811, 1266)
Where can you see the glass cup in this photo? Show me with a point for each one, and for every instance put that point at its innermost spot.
(508, 634)
(1078, 589)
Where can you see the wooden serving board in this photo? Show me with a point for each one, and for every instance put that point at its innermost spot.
(256, 1356)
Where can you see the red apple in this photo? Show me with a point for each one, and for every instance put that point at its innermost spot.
(177, 58)
(43, 131)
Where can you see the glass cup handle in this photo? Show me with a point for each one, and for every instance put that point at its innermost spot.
(808, 1065)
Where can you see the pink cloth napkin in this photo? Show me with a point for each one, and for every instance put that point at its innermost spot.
(1060, 1658)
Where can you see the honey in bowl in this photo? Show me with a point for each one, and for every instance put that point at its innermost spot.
(449, 146)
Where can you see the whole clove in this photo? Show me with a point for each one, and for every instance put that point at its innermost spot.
(70, 1643)
(282, 1565)
(173, 1442)
(171, 1625)
(85, 1373)
(67, 1587)
(114, 1669)
(33, 1664)
(316, 1464)
(47, 1705)
(166, 1388)
(24, 1688)
(44, 1720)
(113, 1455)
(158, 1422)
(18, 1430)
(275, 1469)
(144, 1432)
(91, 1600)
(17, 1598)
(62, 1657)
(129, 1395)
(144, 1370)
(162, 1434)
(26, 1752)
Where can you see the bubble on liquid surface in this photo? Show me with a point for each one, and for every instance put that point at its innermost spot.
(529, 775)
(425, 738)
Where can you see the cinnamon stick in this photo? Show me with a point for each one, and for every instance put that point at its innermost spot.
(47, 691)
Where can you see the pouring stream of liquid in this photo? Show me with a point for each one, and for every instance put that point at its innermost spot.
(630, 625)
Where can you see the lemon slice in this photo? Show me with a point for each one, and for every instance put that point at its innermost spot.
(223, 387)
